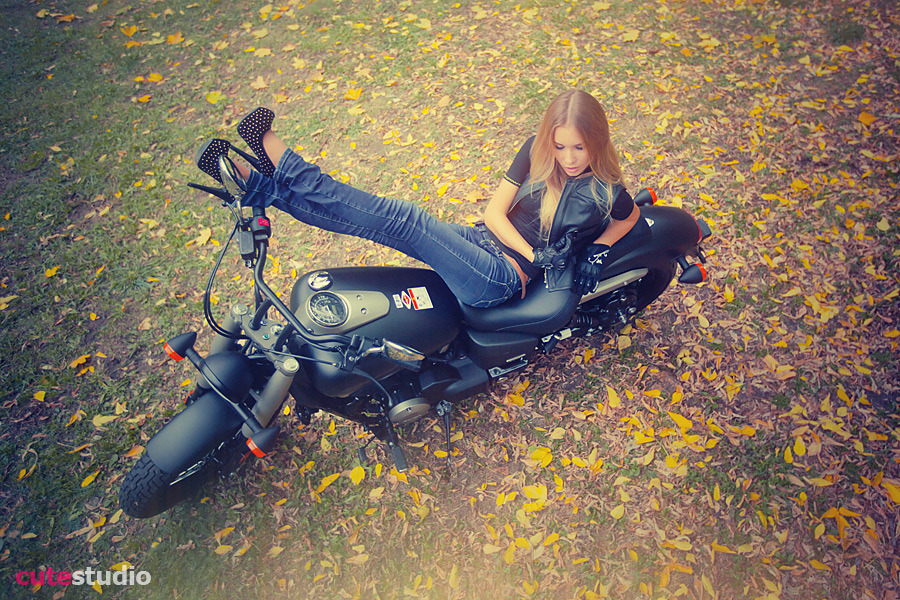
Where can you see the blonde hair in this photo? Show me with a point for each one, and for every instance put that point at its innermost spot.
(580, 110)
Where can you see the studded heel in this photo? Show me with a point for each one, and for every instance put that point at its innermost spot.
(207, 159)
(251, 129)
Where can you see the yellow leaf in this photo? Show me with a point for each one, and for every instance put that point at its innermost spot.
(510, 555)
(154, 77)
(259, 84)
(136, 451)
(353, 94)
(101, 420)
(728, 294)
(799, 447)
(883, 224)
(867, 118)
(129, 31)
(819, 566)
(90, 478)
(631, 35)
(491, 549)
(680, 545)
(892, 490)
(543, 456)
(614, 401)
(357, 474)
(39, 396)
(326, 482)
(720, 548)
(799, 185)
(453, 579)
(819, 482)
(213, 97)
(618, 512)
(683, 423)
(175, 38)
(223, 548)
(222, 533)
(788, 456)
(557, 434)
(551, 539)
(275, 551)
(51, 272)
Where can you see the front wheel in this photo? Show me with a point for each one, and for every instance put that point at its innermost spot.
(148, 490)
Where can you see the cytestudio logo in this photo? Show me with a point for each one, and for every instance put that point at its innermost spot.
(122, 574)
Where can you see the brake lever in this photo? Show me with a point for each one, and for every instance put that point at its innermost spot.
(220, 193)
(358, 348)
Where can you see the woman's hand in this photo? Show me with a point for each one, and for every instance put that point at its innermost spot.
(555, 256)
(590, 268)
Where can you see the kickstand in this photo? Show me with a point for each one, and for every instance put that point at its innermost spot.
(443, 410)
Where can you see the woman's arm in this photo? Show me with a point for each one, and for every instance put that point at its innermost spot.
(616, 230)
(496, 219)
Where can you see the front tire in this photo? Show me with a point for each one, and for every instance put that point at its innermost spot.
(148, 490)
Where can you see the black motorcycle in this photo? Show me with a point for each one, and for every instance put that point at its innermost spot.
(380, 346)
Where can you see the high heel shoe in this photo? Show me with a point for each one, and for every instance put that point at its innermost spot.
(251, 129)
(207, 159)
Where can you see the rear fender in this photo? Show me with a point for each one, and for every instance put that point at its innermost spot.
(193, 433)
(659, 238)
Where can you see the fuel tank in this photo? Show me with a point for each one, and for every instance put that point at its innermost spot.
(410, 306)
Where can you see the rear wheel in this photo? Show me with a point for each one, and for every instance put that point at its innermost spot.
(148, 490)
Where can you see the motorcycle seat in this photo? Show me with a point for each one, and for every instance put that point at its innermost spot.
(540, 312)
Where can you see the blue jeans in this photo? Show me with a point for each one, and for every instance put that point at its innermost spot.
(470, 264)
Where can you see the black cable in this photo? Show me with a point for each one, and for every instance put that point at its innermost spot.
(207, 304)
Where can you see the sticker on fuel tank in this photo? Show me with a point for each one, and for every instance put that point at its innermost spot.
(416, 298)
(420, 298)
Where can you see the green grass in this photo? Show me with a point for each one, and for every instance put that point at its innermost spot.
(95, 157)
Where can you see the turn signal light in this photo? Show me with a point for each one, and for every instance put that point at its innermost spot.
(262, 442)
(693, 274)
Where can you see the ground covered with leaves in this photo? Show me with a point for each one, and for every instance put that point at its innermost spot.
(740, 440)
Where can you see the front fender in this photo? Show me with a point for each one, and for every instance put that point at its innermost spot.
(193, 433)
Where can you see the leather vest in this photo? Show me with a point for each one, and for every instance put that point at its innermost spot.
(578, 213)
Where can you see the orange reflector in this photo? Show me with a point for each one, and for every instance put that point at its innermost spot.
(172, 354)
(652, 194)
(254, 448)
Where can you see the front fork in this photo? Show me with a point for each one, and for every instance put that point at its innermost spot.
(270, 398)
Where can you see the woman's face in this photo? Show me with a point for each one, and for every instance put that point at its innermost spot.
(570, 151)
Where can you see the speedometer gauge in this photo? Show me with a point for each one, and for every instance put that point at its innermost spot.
(327, 309)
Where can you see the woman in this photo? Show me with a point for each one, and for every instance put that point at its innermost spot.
(561, 199)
